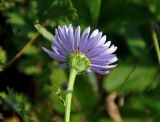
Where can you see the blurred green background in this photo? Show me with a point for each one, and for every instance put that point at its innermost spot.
(31, 81)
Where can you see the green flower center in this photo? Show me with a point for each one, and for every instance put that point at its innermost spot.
(78, 61)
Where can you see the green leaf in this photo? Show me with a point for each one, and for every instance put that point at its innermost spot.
(122, 14)
(92, 11)
(137, 46)
(93, 81)
(138, 80)
(31, 67)
(16, 19)
(94, 7)
(58, 9)
(58, 75)
(31, 50)
(84, 90)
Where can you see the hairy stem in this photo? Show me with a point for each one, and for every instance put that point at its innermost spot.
(71, 81)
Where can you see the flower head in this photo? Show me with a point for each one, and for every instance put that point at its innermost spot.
(84, 51)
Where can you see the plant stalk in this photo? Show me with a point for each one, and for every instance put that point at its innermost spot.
(71, 81)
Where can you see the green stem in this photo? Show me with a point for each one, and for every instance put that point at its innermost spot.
(155, 41)
(72, 77)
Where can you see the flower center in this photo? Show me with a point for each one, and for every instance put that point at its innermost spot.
(78, 61)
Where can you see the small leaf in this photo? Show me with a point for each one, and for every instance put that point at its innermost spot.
(45, 33)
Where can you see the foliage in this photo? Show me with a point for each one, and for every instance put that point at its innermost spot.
(18, 102)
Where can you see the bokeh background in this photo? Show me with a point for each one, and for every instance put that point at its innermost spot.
(32, 85)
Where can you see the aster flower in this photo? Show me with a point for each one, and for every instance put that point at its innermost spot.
(84, 51)
(81, 52)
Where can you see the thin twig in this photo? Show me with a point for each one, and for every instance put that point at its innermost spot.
(112, 107)
(20, 53)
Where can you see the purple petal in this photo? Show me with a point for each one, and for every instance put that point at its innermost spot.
(62, 45)
(58, 51)
(71, 38)
(54, 55)
(111, 50)
(104, 59)
(103, 66)
(113, 60)
(60, 34)
(70, 27)
(92, 42)
(77, 37)
(94, 33)
(107, 44)
(103, 56)
(100, 71)
(56, 43)
(55, 49)
(102, 41)
(96, 51)
(84, 39)
(67, 40)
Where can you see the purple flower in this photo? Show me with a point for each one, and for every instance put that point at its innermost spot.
(93, 47)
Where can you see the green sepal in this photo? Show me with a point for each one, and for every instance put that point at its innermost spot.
(78, 61)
